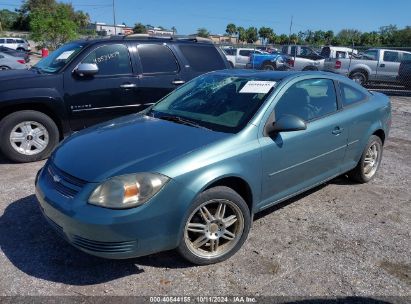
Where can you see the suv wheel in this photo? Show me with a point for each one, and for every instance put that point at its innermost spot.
(27, 136)
(3, 67)
(216, 227)
(268, 66)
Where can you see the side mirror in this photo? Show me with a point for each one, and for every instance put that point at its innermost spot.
(86, 69)
(287, 123)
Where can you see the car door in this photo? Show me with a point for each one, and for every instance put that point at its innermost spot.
(388, 66)
(108, 94)
(295, 161)
(11, 43)
(160, 72)
(242, 58)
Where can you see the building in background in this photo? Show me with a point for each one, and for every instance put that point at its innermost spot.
(103, 29)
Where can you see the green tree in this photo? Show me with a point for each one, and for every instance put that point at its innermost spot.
(265, 33)
(242, 36)
(28, 6)
(203, 32)
(53, 27)
(402, 37)
(139, 28)
(328, 37)
(349, 37)
(293, 39)
(231, 29)
(282, 39)
(252, 34)
(387, 34)
(8, 19)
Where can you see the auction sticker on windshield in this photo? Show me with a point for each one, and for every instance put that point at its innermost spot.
(257, 86)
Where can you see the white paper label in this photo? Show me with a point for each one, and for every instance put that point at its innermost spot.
(257, 87)
(64, 55)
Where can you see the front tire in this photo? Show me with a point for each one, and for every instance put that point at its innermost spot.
(370, 161)
(216, 226)
(269, 67)
(4, 67)
(27, 136)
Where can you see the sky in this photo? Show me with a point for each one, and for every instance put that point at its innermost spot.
(214, 15)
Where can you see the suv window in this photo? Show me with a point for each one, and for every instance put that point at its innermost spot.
(245, 53)
(308, 99)
(10, 41)
(20, 41)
(112, 59)
(350, 95)
(406, 56)
(157, 58)
(203, 58)
(2, 40)
(230, 52)
(391, 56)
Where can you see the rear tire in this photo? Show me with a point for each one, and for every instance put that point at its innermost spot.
(4, 67)
(269, 66)
(27, 136)
(359, 77)
(369, 163)
(215, 227)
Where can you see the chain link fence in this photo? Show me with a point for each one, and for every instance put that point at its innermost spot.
(386, 69)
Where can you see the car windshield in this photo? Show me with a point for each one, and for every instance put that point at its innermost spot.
(218, 102)
(59, 58)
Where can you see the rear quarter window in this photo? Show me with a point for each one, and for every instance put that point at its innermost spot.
(203, 58)
(351, 95)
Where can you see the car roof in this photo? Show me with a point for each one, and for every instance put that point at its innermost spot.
(142, 38)
(276, 75)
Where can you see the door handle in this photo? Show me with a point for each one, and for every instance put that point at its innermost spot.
(337, 131)
(382, 65)
(128, 85)
(178, 82)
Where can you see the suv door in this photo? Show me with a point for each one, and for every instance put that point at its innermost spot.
(294, 161)
(388, 66)
(108, 94)
(11, 43)
(160, 72)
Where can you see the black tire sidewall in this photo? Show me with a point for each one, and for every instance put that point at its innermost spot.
(219, 192)
(11, 120)
(272, 67)
(363, 76)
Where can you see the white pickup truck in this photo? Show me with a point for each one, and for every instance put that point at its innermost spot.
(238, 58)
(374, 65)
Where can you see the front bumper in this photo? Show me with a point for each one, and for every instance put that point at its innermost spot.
(153, 227)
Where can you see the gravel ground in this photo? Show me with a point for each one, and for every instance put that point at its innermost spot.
(341, 239)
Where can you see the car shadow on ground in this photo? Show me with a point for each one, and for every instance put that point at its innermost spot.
(34, 248)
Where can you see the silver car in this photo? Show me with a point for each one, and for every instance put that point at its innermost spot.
(8, 62)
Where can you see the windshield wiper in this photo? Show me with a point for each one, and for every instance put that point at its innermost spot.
(183, 121)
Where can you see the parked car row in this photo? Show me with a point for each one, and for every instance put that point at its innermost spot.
(18, 44)
(371, 66)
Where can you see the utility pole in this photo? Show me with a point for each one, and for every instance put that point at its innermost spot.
(114, 19)
(291, 25)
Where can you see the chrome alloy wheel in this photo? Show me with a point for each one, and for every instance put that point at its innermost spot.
(29, 138)
(214, 228)
(371, 160)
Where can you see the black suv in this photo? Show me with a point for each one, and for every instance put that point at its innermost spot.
(90, 81)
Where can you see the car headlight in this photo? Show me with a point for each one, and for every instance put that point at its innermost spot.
(127, 191)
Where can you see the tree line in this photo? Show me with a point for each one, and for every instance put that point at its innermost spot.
(51, 23)
(388, 35)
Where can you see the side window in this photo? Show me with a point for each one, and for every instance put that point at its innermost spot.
(405, 56)
(157, 58)
(390, 56)
(203, 58)
(340, 54)
(308, 99)
(284, 50)
(293, 51)
(20, 41)
(371, 55)
(10, 41)
(111, 59)
(305, 51)
(350, 95)
(2, 41)
(245, 53)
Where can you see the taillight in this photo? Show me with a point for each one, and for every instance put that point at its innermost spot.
(21, 61)
(338, 64)
(290, 62)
